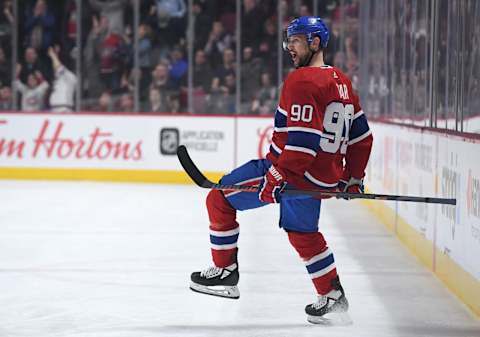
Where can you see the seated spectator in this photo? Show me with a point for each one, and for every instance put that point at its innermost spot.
(156, 101)
(265, 102)
(161, 79)
(227, 66)
(6, 100)
(64, 83)
(173, 103)
(126, 103)
(202, 72)
(33, 93)
(105, 103)
(40, 26)
(32, 65)
(339, 60)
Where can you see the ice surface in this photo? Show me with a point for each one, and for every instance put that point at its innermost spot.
(97, 260)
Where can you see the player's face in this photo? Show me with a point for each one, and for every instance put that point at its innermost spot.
(298, 48)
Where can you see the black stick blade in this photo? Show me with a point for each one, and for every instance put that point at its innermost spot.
(191, 169)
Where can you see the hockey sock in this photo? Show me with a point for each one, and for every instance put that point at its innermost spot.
(224, 229)
(318, 259)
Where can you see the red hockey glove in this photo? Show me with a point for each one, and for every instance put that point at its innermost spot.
(272, 184)
(352, 186)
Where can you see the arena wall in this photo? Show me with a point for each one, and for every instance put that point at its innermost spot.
(141, 148)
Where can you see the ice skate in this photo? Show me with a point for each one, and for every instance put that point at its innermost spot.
(217, 281)
(330, 309)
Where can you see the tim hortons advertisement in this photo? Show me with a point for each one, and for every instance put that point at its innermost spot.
(116, 142)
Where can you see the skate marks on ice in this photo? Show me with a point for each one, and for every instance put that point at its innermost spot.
(331, 319)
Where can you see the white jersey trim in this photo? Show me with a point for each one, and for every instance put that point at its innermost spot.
(225, 233)
(318, 182)
(323, 271)
(283, 112)
(358, 114)
(300, 149)
(359, 138)
(276, 148)
(318, 257)
(224, 247)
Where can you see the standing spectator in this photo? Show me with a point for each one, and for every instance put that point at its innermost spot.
(145, 55)
(64, 83)
(114, 11)
(6, 22)
(218, 41)
(203, 24)
(92, 55)
(39, 27)
(267, 47)
(251, 70)
(171, 20)
(252, 20)
(178, 68)
(5, 69)
(112, 61)
(33, 93)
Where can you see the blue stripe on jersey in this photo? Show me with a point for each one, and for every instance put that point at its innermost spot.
(320, 265)
(304, 139)
(223, 240)
(280, 120)
(359, 127)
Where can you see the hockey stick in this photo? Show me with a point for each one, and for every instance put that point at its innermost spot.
(202, 181)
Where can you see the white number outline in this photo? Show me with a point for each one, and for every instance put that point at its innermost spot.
(302, 113)
(337, 116)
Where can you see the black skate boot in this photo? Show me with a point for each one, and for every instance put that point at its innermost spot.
(217, 281)
(330, 309)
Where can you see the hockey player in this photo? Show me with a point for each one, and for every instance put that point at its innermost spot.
(321, 140)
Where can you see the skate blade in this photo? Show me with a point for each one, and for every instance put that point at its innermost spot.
(221, 291)
(331, 319)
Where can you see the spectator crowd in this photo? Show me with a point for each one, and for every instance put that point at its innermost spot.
(45, 76)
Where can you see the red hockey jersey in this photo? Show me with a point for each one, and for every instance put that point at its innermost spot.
(321, 133)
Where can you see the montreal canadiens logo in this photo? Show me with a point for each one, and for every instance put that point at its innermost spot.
(264, 140)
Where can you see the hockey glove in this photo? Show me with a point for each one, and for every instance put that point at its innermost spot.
(351, 186)
(272, 184)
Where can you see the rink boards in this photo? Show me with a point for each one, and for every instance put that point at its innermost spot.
(141, 148)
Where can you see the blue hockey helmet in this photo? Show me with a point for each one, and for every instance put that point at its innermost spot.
(310, 26)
